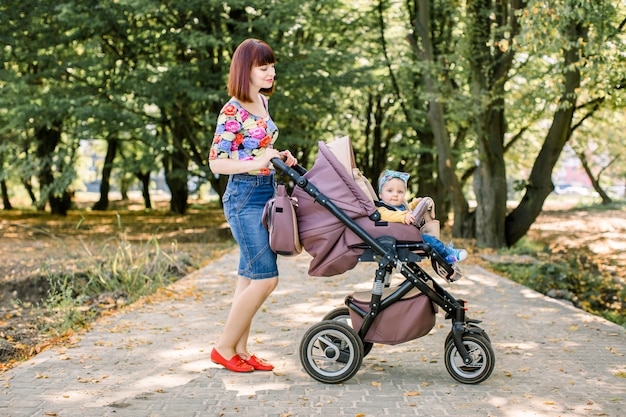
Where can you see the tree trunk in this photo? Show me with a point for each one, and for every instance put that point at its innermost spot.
(489, 74)
(426, 165)
(373, 161)
(176, 162)
(540, 180)
(595, 182)
(435, 114)
(28, 185)
(144, 178)
(105, 184)
(176, 179)
(47, 140)
(125, 183)
(6, 203)
(490, 187)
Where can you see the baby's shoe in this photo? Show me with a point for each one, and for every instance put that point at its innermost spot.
(457, 255)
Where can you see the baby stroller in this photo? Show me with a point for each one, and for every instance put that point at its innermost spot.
(339, 227)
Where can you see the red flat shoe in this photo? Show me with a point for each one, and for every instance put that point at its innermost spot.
(235, 364)
(258, 364)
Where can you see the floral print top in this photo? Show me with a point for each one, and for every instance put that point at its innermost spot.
(241, 135)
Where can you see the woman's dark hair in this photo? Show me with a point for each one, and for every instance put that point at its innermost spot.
(250, 53)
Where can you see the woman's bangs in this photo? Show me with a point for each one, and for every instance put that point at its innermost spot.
(264, 55)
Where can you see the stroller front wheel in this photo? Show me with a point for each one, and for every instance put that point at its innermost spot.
(342, 314)
(331, 352)
(481, 366)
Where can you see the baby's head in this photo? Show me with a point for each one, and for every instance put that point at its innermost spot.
(392, 187)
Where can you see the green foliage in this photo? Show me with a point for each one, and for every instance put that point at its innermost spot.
(152, 75)
(574, 277)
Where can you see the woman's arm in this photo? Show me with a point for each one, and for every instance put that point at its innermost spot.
(227, 166)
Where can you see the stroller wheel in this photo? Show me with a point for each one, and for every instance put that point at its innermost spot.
(481, 366)
(342, 314)
(331, 352)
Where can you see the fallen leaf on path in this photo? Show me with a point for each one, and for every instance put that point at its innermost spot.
(613, 351)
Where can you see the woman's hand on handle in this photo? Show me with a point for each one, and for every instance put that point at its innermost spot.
(268, 155)
(289, 159)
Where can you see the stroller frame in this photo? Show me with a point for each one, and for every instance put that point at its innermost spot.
(468, 346)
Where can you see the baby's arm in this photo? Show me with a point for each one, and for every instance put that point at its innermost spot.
(392, 216)
(414, 202)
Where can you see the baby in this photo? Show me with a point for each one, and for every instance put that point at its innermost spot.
(393, 207)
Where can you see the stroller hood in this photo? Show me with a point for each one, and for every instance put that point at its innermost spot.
(326, 238)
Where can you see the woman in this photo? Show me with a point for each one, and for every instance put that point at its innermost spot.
(242, 148)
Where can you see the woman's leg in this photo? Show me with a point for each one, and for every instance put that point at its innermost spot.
(242, 284)
(248, 298)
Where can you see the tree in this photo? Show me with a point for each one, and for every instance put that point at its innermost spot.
(462, 106)
(576, 34)
(470, 96)
(42, 101)
(598, 155)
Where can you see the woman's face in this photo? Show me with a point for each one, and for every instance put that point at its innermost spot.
(393, 191)
(262, 76)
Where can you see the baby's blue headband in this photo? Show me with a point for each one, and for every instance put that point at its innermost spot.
(389, 174)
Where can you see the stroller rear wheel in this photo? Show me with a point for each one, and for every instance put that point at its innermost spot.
(331, 352)
(481, 366)
(342, 314)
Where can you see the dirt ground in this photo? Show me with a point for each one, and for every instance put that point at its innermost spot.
(34, 244)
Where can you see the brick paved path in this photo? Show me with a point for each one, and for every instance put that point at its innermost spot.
(153, 359)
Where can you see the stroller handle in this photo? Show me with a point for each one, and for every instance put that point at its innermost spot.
(295, 173)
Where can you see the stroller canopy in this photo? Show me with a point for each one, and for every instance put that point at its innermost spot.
(326, 238)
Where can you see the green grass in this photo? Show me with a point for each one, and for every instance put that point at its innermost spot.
(121, 272)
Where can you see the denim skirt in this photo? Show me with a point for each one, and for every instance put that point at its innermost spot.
(244, 200)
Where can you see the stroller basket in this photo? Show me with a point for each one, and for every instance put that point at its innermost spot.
(340, 227)
(411, 317)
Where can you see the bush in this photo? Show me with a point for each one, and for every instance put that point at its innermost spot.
(574, 276)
